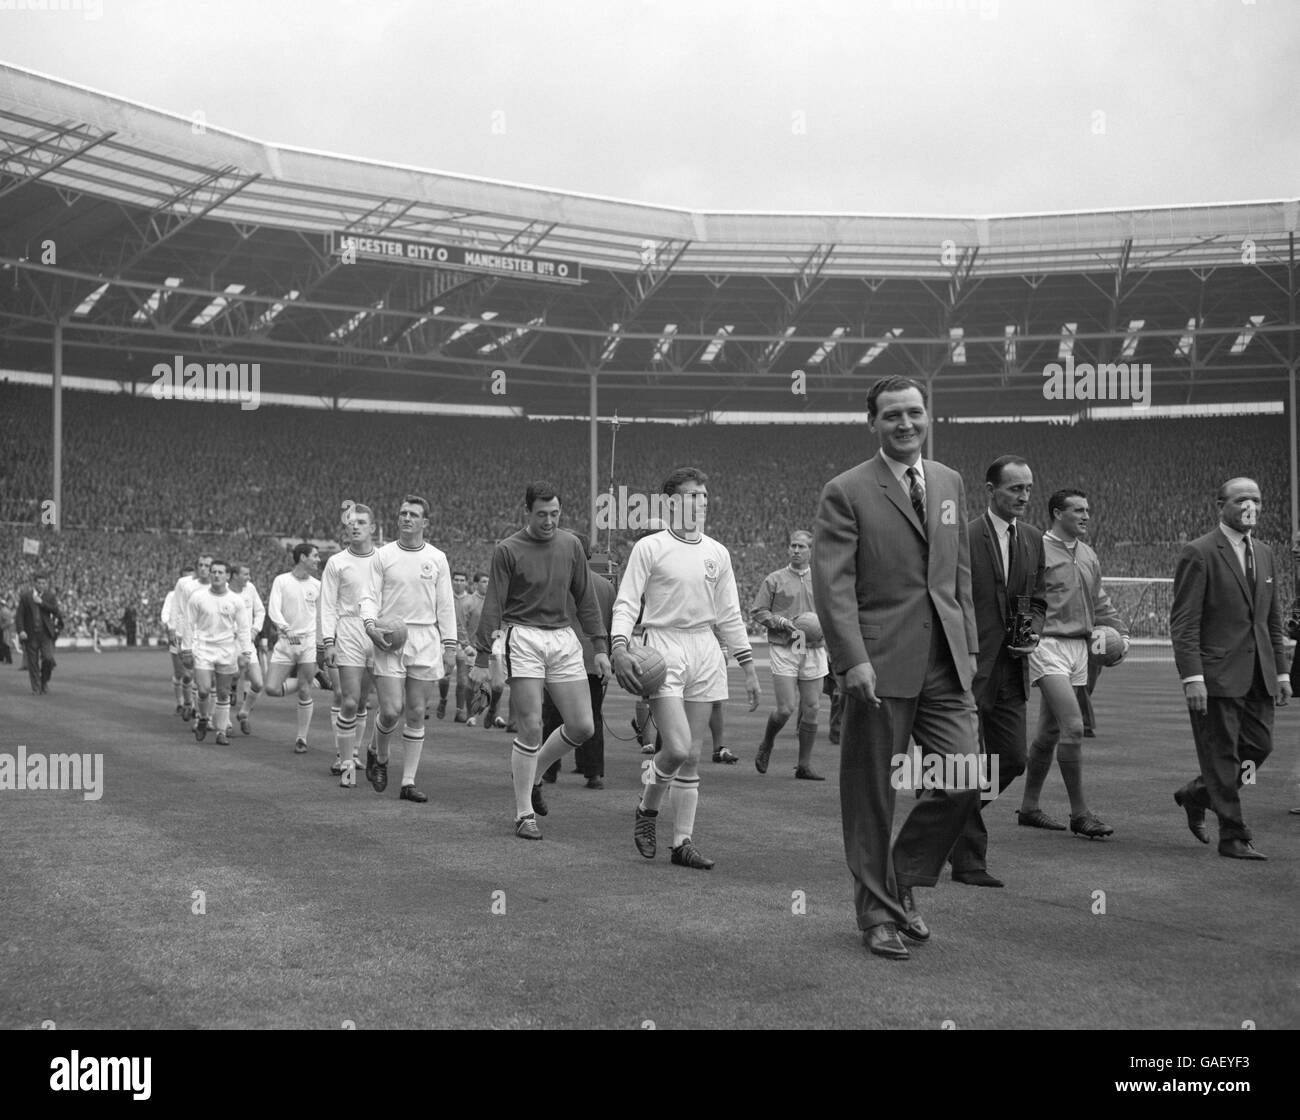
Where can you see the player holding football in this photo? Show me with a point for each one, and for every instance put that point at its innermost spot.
(250, 675)
(532, 576)
(182, 682)
(292, 610)
(410, 583)
(687, 584)
(347, 649)
(798, 666)
(219, 625)
(1076, 603)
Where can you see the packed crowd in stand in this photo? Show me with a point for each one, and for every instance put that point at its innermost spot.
(148, 484)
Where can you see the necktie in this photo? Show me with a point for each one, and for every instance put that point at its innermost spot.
(1011, 554)
(916, 491)
(1250, 567)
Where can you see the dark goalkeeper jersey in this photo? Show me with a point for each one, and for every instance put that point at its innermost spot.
(531, 581)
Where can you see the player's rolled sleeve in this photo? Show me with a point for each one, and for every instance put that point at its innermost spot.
(446, 606)
(275, 607)
(631, 589)
(582, 589)
(731, 623)
(764, 598)
(370, 604)
(243, 625)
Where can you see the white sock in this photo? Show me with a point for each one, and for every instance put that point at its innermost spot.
(345, 736)
(334, 726)
(686, 796)
(304, 716)
(367, 717)
(178, 690)
(413, 745)
(523, 769)
(223, 714)
(652, 795)
(557, 745)
(383, 735)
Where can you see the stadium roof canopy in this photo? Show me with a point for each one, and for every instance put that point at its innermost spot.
(150, 236)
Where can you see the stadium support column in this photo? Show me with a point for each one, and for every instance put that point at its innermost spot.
(58, 424)
(593, 428)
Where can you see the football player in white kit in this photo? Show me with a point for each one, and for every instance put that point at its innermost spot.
(184, 588)
(291, 608)
(219, 626)
(410, 583)
(182, 682)
(250, 675)
(346, 577)
(688, 586)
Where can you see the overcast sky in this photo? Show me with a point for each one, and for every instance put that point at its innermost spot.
(875, 106)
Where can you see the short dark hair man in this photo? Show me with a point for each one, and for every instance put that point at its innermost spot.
(891, 577)
(1226, 626)
(1006, 565)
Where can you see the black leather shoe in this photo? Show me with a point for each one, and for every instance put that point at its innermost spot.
(1239, 849)
(1036, 818)
(976, 878)
(915, 929)
(410, 793)
(808, 774)
(883, 941)
(761, 758)
(1195, 817)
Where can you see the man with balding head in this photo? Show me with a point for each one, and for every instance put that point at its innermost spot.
(1226, 625)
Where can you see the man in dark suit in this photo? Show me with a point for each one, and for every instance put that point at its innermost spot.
(1006, 560)
(891, 577)
(39, 623)
(1226, 626)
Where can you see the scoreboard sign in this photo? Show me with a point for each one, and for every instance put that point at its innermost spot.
(358, 247)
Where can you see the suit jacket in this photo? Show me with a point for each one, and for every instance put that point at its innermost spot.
(879, 578)
(1218, 629)
(33, 617)
(995, 601)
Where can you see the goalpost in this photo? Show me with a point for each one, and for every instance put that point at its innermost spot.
(1143, 603)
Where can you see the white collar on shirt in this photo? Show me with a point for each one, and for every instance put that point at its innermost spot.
(900, 469)
(1236, 539)
(999, 525)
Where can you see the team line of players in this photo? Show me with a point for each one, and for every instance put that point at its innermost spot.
(678, 590)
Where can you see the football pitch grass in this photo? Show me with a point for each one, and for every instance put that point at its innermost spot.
(323, 906)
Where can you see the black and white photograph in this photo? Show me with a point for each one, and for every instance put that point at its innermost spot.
(650, 515)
